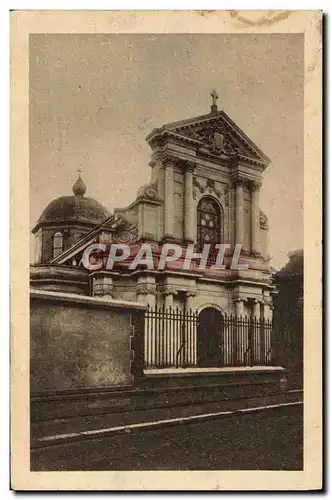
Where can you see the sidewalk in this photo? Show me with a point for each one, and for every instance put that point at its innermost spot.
(82, 428)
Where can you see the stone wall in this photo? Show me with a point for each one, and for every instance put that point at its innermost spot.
(81, 342)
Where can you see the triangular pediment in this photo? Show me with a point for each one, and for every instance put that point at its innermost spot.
(216, 133)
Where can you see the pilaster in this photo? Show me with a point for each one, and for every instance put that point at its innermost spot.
(268, 311)
(146, 290)
(188, 203)
(255, 224)
(239, 307)
(190, 300)
(256, 309)
(239, 213)
(168, 300)
(102, 285)
(168, 199)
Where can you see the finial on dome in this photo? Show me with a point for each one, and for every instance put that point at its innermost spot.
(79, 188)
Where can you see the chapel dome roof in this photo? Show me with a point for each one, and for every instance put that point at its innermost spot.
(74, 208)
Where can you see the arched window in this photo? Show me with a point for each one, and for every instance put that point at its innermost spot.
(57, 244)
(208, 222)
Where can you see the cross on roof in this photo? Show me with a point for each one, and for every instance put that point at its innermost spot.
(79, 170)
(215, 97)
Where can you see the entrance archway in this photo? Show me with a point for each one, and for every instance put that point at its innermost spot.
(209, 331)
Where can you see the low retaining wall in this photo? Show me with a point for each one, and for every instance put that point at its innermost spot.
(161, 392)
(83, 343)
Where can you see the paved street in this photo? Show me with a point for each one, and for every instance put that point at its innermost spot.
(266, 441)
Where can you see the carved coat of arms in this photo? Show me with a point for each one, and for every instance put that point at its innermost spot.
(218, 140)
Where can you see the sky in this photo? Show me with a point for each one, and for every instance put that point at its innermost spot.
(94, 98)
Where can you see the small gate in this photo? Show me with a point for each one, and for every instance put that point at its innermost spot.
(209, 337)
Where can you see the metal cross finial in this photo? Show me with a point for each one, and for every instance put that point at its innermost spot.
(79, 170)
(215, 97)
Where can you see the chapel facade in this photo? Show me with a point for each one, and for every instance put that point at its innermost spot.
(206, 176)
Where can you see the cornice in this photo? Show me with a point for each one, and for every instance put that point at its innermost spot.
(168, 289)
(68, 223)
(240, 179)
(87, 300)
(201, 147)
(187, 165)
(53, 271)
(220, 118)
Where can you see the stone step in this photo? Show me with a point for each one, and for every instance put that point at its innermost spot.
(193, 377)
(48, 432)
(160, 390)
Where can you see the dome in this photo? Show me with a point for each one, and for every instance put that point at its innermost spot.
(74, 208)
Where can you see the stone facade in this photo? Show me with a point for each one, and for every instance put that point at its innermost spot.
(204, 158)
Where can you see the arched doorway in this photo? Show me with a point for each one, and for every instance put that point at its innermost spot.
(209, 331)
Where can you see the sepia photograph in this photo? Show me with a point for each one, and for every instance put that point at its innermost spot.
(166, 247)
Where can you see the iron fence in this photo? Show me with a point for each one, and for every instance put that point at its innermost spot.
(176, 337)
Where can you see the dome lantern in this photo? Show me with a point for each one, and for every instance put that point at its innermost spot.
(79, 188)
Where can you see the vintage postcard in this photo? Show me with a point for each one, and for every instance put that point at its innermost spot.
(166, 250)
